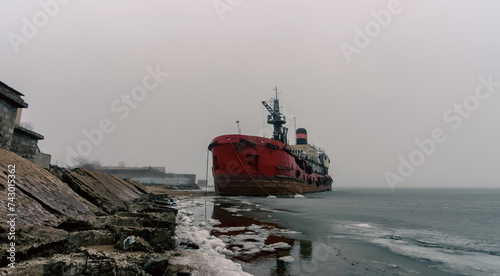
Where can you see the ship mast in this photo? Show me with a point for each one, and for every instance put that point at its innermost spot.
(277, 119)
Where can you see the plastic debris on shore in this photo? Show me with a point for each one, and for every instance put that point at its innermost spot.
(128, 241)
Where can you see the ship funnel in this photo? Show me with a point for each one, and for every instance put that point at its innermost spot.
(301, 136)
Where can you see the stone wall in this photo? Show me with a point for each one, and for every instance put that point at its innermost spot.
(8, 115)
(24, 145)
(42, 160)
(13, 137)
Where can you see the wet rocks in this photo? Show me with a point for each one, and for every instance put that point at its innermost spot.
(75, 223)
(192, 245)
(91, 237)
(105, 191)
(156, 265)
(42, 199)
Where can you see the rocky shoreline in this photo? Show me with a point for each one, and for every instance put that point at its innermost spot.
(79, 222)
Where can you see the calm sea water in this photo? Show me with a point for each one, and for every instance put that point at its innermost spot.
(376, 232)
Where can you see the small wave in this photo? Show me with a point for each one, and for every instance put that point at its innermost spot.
(446, 252)
(394, 237)
(452, 260)
(363, 225)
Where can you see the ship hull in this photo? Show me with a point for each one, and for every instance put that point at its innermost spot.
(256, 166)
(238, 185)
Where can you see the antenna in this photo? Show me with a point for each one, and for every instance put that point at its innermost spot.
(276, 89)
(238, 124)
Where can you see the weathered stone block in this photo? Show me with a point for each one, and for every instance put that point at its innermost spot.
(92, 237)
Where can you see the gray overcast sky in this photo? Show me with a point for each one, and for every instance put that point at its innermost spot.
(224, 57)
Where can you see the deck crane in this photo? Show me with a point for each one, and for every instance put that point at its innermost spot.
(277, 119)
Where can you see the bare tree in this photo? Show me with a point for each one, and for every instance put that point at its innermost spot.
(121, 164)
(84, 163)
(26, 125)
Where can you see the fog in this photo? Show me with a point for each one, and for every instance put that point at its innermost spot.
(398, 93)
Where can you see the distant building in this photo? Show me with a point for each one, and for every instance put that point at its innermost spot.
(14, 137)
(131, 172)
(202, 183)
(151, 176)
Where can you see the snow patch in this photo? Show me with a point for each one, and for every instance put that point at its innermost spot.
(236, 209)
(363, 225)
(210, 258)
(279, 245)
(287, 259)
(231, 229)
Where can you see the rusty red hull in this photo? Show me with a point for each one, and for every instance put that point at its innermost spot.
(255, 166)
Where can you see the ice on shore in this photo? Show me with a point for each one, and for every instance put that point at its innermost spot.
(235, 209)
(231, 229)
(363, 225)
(279, 245)
(210, 258)
(287, 259)
(254, 239)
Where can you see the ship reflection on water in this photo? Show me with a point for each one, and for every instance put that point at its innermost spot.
(258, 245)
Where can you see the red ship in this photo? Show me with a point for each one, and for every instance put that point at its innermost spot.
(256, 166)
